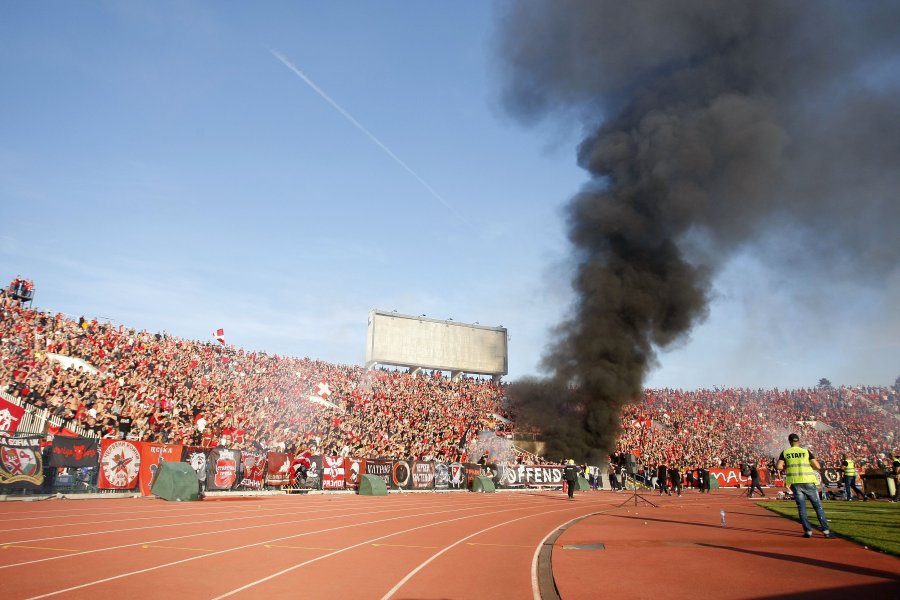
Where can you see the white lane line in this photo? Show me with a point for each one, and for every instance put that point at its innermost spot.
(193, 558)
(180, 537)
(107, 520)
(365, 543)
(434, 556)
(255, 515)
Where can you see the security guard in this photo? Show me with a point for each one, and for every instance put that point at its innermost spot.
(798, 464)
(849, 468)
(571, 476)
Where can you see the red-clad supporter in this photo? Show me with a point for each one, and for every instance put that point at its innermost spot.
(153, 387)
(142, 386)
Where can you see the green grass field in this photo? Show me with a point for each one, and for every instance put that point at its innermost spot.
(872, 524)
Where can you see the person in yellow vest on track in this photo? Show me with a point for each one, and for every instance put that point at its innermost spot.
(798, 465)
(849, 469)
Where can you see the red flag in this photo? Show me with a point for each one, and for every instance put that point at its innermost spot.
(220, 336)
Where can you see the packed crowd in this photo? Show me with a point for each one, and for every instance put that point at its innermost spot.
(144, 386)
(724, 427)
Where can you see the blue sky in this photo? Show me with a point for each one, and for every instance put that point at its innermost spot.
(159, 167)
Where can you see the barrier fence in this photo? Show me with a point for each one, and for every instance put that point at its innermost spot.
(41, 464)
(32, 464)
(17, 416)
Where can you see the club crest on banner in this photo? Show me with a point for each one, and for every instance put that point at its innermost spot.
(120, 464)
(20, 461)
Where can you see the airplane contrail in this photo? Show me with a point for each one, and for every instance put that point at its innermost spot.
(361, 127)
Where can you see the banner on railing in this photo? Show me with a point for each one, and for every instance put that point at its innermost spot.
(198, 458)
(10, 416)
(527, 475)
(21, 465)
(74, 452)
(353, 469)
(441, 476)
(120, 464)
(379, 467)
(254, 470)
(278, 469)
(731, 477)
(422, 475)
(151, 457)
(333, 473)
(313, 479)
(222, 469)
(401, 475)
(459, 477)
(473, 470)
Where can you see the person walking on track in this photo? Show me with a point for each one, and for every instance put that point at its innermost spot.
(571, 476)
(755, 482)
(798, 464)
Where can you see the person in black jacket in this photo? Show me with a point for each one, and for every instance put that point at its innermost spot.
(755, 482)
(571, 476)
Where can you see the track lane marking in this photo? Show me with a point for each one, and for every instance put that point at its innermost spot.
(14, 546)
(256, 544)
(324, 556)
(179, 537)
(436, 555)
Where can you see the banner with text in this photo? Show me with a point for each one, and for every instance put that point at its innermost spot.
(151, 457)
(21, 464)
(120, 464)
(278, 469)
(254, 470)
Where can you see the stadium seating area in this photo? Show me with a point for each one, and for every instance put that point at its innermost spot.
(154, 387)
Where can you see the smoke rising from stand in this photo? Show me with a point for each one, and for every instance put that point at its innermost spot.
(711, 126)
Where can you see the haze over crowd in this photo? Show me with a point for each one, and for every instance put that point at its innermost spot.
(161, 169)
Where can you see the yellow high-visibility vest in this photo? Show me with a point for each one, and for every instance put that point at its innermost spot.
(850, 469)
(797, 468)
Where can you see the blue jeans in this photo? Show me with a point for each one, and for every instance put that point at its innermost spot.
(802, 493)
(850, 484)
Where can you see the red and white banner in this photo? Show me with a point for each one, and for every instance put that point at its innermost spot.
(333, 473)
(10, 417)
(151, 456)
(353, 469)
(220, 336)
(254, 470)
(120, 464)
(278, 471)
(732, 477)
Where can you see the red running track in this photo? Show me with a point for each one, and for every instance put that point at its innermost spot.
(442, 545)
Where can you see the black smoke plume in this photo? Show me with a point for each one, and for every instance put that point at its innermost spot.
(711, 125)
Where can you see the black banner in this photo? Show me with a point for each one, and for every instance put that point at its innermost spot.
(473, 470)
(458, 476)
(832, 477)
(198, 458)
(380, 468)
(74, 452)
(423, 475)
(21, 465)
(441, 476)
(222, 468)
(528, 475)
(313, 479)
(401, 475)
